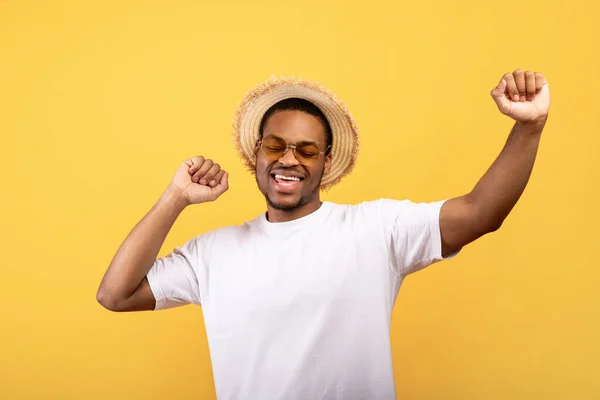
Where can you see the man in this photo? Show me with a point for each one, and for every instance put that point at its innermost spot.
(297, 303)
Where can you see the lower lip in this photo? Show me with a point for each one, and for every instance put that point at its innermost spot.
(285, 186)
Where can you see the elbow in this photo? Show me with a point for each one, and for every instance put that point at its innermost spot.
(108, 300)
(485, 218)
(485, 229)
(485, 223)
(493, 225)
(489, 227)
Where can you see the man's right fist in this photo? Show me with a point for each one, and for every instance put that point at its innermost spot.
(200, 180)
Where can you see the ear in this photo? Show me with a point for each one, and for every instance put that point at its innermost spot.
(256, 148)
(327, 166)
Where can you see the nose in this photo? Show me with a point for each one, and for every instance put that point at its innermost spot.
(288, 158)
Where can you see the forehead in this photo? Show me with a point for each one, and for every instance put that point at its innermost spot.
(295, 126)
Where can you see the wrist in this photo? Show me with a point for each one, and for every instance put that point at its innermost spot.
(174, 198)
(532, 127)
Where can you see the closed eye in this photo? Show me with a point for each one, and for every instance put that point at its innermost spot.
(308, 154)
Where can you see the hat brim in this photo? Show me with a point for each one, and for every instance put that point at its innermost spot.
(344, 129)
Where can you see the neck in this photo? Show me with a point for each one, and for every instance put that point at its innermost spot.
(276, 215)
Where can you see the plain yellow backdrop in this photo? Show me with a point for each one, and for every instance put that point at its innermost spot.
(101, 101)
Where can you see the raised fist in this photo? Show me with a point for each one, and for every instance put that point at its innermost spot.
(523, 95)
(201, 180)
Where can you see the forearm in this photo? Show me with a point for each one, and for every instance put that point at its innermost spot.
(138, 252)
(500, 188)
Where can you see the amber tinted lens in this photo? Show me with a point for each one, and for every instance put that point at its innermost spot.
(307, 153)
(273, 147)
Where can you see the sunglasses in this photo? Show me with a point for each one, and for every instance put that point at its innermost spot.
(306, 152)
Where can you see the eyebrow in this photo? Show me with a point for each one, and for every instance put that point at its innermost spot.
(298, 142)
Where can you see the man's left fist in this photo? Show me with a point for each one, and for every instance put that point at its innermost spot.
(524, 96)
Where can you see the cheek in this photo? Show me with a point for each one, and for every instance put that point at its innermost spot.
(260, 162)
(316, 171)
(262, 166)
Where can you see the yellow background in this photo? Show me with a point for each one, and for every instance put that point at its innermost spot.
(101, 101)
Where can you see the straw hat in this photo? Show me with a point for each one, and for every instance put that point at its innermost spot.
(255, 104)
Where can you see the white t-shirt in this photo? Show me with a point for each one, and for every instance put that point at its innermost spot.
(301, 309)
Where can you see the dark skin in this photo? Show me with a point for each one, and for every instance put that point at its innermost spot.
(294, 126)
(522, 95)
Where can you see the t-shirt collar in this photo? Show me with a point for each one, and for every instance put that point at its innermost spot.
(315, 217)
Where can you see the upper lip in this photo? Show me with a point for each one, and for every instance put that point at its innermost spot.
(288, 173)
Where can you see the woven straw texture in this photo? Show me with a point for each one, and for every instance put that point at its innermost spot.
(255, 104)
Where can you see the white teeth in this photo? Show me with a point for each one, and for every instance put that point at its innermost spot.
(287, 178)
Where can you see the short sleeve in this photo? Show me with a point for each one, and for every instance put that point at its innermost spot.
(173, 279)
(412, 233)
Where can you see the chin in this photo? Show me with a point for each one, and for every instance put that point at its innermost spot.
(285, 203)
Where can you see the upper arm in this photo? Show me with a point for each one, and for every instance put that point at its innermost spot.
(142, 299)
(460, 224)
(171, 281)
(174, 279)
(412, 234)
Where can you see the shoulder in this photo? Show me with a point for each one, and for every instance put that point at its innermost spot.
(205, 245)
(370, 211)
(227, 232)
(390, 207)
(370, 207)
(386, 212)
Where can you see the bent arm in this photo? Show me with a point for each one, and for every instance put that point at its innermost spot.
(124, 286)
(466, 218)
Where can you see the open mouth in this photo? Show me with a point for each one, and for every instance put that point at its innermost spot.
(286, 182)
